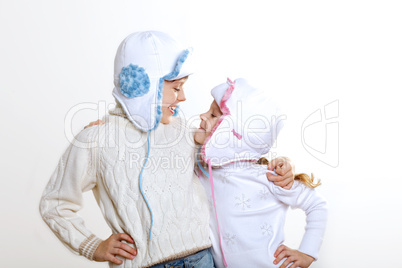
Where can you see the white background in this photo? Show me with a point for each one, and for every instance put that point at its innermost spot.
(57, 54)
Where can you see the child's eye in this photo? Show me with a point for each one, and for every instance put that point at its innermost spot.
(213, 115)
(177, 89)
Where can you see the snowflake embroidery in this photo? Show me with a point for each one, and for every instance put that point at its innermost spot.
(230, 239)
(226, 175)
(243, 202)
(266, 229)
(264, 193)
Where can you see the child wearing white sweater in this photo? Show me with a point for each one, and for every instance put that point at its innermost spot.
(247, 211)
(157, 209)
(157, 213)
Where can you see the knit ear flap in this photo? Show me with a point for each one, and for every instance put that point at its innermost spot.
(134, 81)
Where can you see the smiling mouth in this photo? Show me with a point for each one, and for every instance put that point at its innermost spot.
(200, 130)
(172, 109)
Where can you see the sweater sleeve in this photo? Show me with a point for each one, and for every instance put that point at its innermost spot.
(63, 195)
(315, 207)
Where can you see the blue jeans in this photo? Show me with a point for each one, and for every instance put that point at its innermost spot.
(201, 259)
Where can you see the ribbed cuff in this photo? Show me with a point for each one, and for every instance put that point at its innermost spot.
(310, 245)
(89, 246)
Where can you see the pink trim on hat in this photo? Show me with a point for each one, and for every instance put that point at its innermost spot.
(225, 110)
(239, 136)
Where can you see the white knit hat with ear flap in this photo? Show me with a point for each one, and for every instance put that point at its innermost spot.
(143, 61)
(249, 125)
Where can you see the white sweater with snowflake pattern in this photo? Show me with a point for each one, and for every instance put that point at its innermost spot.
(251, 213)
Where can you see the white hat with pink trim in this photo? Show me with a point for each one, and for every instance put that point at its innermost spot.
(249, 126)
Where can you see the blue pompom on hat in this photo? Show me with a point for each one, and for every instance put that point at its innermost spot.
(133, 81)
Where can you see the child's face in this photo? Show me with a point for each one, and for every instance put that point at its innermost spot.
(173, 94)
(208, 122)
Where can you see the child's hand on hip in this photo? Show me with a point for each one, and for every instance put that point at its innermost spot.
(293, 256)
(111, 247)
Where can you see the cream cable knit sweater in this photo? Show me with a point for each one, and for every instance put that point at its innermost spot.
(107, 159)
